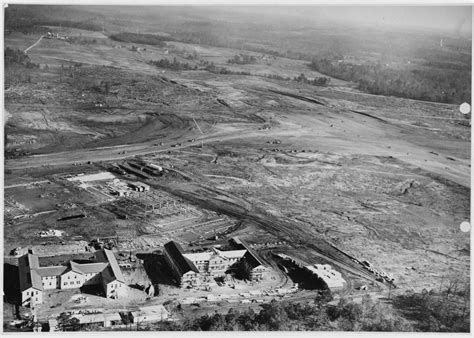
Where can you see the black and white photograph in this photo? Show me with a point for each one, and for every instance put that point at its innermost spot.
(236, 167)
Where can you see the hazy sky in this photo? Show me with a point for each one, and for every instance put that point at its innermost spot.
(449, 19)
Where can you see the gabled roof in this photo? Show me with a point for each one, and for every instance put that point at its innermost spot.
(114, 273)
(175, 251)
(51, 271)
(231, 253)
(29, 260)
(198, 256)
(88, 267)
(253, 260)
(250, 256)
(108, 275)
(237, 242)
(28, 276)
(31, 273)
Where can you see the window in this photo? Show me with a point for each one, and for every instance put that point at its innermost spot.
(68, 277)
(75, 276)
(49, 283)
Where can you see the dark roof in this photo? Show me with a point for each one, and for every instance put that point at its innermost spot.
(26, 270)
(175, 251)
(49, 271)
(114, 273)
(236, 241)
(252, 259)
(30, 272)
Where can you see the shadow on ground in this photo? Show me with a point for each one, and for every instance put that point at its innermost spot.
(157, 269)
(95, 289)
(305, 279)
(11, 284)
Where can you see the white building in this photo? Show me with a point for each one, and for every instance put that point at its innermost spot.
(150, 313)
(34, 279)
(191, 268)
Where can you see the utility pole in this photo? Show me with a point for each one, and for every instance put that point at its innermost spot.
(146, 204)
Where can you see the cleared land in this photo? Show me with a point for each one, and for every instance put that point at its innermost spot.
(324, 174)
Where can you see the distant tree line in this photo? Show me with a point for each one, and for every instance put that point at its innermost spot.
(17, 57)
(212, 68)
(80, 40)
(173, 65)
(242, 59)
(145, 39)
(31, 18)
(423, 83)
(317, 81)
(18, 67)
(438, 81)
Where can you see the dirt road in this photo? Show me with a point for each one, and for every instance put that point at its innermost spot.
(112, 153)
(26, 50)
(362, 136)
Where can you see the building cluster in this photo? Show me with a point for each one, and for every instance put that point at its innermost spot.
(35, 279)
(191, 269)
(139, 186)
(50, 35)
(117, 319)
(51, 233)
(145, 168)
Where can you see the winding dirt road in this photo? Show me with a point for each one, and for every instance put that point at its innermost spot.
(26, 50)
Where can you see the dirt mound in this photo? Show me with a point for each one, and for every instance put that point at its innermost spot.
(268, 160)
(272, 104)
(405, 186)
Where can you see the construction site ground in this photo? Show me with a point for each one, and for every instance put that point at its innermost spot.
(352, 177)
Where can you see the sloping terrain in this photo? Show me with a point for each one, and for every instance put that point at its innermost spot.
(324, 168)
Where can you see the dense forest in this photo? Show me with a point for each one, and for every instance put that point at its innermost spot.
(242, 59)
(18, 67)
(428, 83)
(146, 39)
(428, 311)
(30, 19)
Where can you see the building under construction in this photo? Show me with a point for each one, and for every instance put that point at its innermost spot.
(190, 269)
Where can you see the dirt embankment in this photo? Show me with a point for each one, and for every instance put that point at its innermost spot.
(284, 229)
